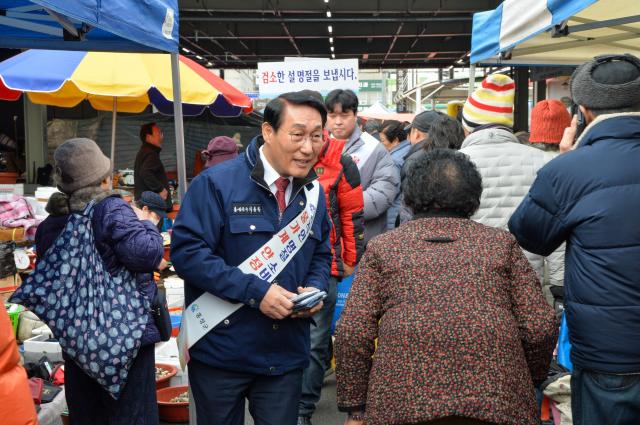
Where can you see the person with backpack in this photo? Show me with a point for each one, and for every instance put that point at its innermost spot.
(82, 173)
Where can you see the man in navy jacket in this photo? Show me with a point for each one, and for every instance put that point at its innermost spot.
(258, 352)
(590, 198)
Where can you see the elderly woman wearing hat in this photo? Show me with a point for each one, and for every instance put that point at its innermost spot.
(220, 149)
(464, 332)
(82, 173)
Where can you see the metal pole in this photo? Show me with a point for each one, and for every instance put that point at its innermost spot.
(472, 78)
(521, 101)
(112, 156)
(113, 129)
(179, 127)
(418, 99)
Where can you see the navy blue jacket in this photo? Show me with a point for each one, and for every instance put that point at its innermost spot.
(590, 197)
(122, 240)
(209, 241)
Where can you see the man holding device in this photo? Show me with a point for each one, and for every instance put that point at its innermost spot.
(251, 235)
(587, 197)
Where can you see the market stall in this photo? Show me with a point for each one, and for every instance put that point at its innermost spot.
(117, 82)
(117, 25)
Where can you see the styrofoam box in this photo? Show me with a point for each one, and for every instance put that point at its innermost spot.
(16, 189)
(36, 347)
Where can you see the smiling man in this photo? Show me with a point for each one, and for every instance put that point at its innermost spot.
(251, 234)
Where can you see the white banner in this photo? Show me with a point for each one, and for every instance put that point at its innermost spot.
(323, 75)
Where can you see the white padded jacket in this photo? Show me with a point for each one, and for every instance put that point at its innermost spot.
(508, 169)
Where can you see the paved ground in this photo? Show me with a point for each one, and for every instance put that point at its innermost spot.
(326, 413)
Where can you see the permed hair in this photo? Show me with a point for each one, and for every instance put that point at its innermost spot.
(442, 180)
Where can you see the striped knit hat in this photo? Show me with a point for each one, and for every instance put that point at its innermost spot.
(490, 104)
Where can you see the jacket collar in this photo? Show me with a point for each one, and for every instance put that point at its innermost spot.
(149, 146)
(330, 148)
(439, 213)
(355, 138)
(609, 126)
(489, 136)
(254, 162)
(400, 146)
(63, 204)
(415, 148)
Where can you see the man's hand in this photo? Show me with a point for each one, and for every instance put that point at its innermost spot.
(307, 313)
(569, 136)
(164, 194)
(348, 270)
(276, 303)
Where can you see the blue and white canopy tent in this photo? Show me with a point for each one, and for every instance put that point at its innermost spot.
(98, 25)
(90, 25)
(554, 32)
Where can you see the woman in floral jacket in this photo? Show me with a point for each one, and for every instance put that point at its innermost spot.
(464, 332)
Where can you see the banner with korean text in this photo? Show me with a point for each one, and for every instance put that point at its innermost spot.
(322, 75)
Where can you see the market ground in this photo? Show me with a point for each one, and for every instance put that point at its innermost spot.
(326, 413)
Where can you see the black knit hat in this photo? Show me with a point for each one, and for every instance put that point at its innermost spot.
(607, 82)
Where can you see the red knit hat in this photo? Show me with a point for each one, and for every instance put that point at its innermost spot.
(549, 118)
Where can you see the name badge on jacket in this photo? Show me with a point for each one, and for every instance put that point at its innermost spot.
(246, 209)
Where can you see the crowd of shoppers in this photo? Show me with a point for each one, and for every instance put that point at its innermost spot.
(462, 236)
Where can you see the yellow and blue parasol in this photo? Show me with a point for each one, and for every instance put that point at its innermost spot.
(130, 81)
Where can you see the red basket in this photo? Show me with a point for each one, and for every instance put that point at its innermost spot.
(164, 381)
(172, 412)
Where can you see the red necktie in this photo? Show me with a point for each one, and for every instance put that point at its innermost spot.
(281, 186)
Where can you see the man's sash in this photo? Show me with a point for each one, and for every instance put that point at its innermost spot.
(206, 312)
(363, 153)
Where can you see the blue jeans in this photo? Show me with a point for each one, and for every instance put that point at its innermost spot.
(313, 375)
(220, 395)
(600, 398)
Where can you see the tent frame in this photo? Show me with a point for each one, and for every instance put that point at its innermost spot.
(17, 18)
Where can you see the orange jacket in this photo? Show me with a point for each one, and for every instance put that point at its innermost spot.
(16, 404)
(340, 179)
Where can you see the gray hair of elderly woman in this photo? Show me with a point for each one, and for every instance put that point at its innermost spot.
(442, 181)
(445, 132)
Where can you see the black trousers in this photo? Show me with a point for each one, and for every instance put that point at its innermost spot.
(89, 404)
(220, 396)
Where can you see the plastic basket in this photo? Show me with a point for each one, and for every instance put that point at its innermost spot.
(14, 311)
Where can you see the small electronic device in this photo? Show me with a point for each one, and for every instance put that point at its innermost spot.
(307, 300)
(582, 122)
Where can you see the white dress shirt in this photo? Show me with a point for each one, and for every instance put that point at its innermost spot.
(271, 175)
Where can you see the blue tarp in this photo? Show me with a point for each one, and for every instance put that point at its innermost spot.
(515, 21)
(91, 25)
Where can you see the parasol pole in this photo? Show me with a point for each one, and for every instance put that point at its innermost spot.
(179, 127)
(112, 156)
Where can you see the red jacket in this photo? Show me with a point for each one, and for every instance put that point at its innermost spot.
(340, 179)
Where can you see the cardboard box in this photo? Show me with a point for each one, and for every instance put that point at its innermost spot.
(11, 234)
(10, 283)
(5, 295)
(38, 346)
